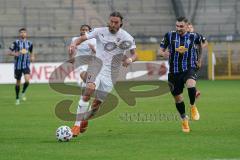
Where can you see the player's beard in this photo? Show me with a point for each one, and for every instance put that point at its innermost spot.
(113, 30)
(181, 32)
(23, 37)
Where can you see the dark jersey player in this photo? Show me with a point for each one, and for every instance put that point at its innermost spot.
(22, 50)
(180, 47)
(204, 44)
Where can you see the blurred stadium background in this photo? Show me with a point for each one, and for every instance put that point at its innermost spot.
(51, 23)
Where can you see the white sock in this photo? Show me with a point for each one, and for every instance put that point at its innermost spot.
(79, 80)
(82, 107)
(83, 84)
(79, 83)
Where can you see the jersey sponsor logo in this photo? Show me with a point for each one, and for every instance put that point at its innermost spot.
(23, 51)
(181, 49)
(110, 46)
(125, 45)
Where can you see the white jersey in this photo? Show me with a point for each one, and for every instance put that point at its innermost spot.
(110, 45)
(83, 48)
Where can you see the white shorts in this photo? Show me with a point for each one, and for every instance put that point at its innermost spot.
(104, 86)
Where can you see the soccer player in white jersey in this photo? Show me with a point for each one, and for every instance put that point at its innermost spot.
(112, 42)
(86, 48)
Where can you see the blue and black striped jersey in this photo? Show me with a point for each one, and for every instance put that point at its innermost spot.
(25, 48)
(182, 49)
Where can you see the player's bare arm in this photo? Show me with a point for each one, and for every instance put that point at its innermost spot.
(199, 62)
(32, 57)
(76, 43)
(205, 44)
(72, 48)
(12, 53)
(132, 58)
(164, 53)
(91, 46)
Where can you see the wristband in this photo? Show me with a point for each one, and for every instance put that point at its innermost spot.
(130, 59)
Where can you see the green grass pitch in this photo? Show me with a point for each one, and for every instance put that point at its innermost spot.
(27, 131)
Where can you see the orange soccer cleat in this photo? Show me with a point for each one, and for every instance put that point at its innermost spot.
(194, 113)
(75, 131)
(185, 125)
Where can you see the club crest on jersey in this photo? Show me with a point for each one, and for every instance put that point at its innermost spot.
(181, 49)
(110, 46)
(125, 45)
(23, 51)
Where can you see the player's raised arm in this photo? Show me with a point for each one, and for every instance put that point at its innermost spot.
(92, 47)
(75, 43)
(72, 47)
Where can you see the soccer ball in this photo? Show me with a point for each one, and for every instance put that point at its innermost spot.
(64, 134)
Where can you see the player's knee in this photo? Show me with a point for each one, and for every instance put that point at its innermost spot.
(86, 98)
(18, 83)
(90, 86)
(178, 98)
(26, 77)
(190, 83)
(96, 103)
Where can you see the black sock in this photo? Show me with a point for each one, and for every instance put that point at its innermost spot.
(181, 109)
(17, 89)
(25, 85)
(192, 95)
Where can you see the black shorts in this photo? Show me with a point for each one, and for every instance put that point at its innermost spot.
(18, 73)
(176, 81)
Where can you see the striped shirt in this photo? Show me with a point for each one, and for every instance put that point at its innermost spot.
(25, 48)
(182, 49)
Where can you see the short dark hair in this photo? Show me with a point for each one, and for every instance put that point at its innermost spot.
(22, 29)
(182, 19)
(86, 25)
(116, 14)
